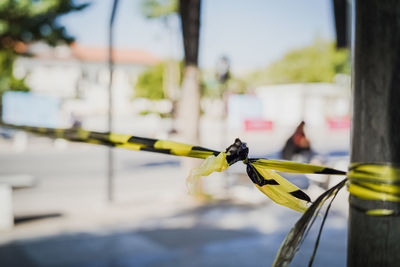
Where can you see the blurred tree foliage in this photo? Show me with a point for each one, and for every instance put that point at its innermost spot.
(150, 83)
(212, 88)
(167, 12)
(319, 62)
(26, 21)
(159, 8)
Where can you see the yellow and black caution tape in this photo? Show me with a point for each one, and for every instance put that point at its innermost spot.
(120, 140)
(259, 170)
(376, 188)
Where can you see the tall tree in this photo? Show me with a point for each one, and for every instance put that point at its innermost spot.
(189, 11)
(374, 222)
(26, 21)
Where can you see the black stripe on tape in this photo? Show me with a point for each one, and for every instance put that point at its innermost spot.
(142, 141)
(300, 195)
(257, 178)
(158, 150)
(199, 148)
(331, 171)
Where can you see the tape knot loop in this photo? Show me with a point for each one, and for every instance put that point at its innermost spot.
(238, 151)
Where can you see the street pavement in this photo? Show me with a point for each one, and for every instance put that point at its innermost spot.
(66, 220)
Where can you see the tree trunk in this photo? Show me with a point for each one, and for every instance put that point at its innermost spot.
(190, 101)
(189, 108)
(190, 104)
(374, 240)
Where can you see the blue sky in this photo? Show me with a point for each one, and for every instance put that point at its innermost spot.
(251, 33)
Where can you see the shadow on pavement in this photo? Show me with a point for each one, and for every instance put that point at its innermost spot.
(157, 243)
(35, 217)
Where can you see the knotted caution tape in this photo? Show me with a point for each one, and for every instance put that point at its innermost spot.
(259, 169)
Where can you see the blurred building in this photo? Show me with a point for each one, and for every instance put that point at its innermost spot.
(79, 76)
(319, 104)
(271, 114)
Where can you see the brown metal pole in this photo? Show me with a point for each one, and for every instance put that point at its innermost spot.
(375, 240)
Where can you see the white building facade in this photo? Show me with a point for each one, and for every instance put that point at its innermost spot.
(79, 76)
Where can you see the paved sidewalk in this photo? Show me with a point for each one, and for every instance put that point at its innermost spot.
(153, 222)
(172, 241)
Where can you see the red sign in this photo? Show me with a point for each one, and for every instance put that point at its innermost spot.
(338, 123)
(258, 125)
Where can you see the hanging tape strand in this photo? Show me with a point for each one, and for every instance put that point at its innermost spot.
(296, 235)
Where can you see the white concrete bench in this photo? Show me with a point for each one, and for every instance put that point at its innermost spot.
(7, 184)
